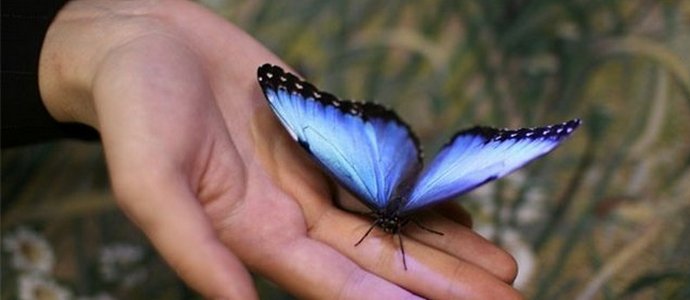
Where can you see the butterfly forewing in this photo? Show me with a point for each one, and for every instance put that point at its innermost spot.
(481, 154)
(363, 145)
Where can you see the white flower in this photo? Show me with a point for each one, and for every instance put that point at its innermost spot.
(512, 242)
(33, 286)
(118, 260)
(31, 252)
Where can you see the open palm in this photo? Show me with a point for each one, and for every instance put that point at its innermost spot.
(201, 164)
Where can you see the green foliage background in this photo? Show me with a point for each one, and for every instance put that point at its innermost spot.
(615, 220)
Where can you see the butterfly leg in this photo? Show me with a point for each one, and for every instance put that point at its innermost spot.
(426, 228)
(366, 234)
(402, 249)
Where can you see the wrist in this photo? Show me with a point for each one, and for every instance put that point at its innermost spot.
(80, 37)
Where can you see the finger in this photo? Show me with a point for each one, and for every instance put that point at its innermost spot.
(312, 270)
(431, 273)
(172, 219)
(463, 243)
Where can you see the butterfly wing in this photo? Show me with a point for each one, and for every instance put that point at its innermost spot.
(364, 146)
(481, 154)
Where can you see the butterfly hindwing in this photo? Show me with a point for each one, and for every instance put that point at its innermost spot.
(479, 155)
(362, 145)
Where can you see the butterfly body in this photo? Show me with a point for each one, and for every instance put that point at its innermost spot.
(371, 152)
(390, 222)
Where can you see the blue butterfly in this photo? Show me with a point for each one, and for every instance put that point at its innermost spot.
(370, 151)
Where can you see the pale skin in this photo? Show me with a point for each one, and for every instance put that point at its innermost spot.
(199, 162)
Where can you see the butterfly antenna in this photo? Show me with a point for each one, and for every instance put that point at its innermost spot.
(402, 249)
(368, 231)
(426, 228)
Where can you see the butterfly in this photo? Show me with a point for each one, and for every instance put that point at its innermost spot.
(371, 152)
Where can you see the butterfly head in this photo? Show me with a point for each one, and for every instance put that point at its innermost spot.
(390, 223)
(389, 219)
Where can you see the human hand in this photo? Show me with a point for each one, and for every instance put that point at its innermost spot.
(200, 163)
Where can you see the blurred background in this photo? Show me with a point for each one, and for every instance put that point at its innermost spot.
(604, 217)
